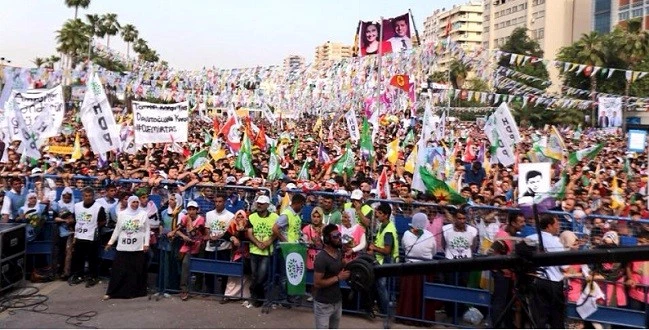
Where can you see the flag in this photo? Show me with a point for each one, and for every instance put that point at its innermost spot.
(401, 81)
(230, 131)
(285, 202)
(345, 163)
(393, 151)
(410, 161)
(617, 200)
(194, 160)
(76, 151)
(244, 158)
(382, 185)
(260, 139)
(274, 169)
(318, 125)
(216, 151)
(367, 147)
(555, 147)
(294, 256)
(439, 188)
(469, 155)
(410, 138)
(587, 154)
(295, 148)
(303, 175)
(323, 157)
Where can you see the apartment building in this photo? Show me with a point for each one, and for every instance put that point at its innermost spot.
(462, 24)
(331, 51)
(607, 14)
(293, 63)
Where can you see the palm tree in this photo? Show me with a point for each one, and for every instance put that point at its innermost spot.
(72, 39)
(459, 71)
(150, 56)
(76, 4)
(140, 46)
(50, 61)
(633, 49)
(94, 25)
(39, 61)
(110, 26)
(591, 51)
(129, 34)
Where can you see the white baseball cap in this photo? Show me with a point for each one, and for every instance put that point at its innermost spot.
(192, 204)
(357, 194)
(263, 199)
(291, 186)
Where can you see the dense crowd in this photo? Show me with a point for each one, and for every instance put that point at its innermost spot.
(216, 211)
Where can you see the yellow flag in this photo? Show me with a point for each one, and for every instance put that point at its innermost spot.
(616, 199)
(393, 151)
(76, 151)
(410, 162)
(286, 202)
(318, 124)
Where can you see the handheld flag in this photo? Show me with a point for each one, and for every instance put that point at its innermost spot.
(439, 188)
(401, 81)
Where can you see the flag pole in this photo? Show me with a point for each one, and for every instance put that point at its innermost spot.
(412, 18)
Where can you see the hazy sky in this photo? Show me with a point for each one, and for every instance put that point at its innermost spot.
(195, 33)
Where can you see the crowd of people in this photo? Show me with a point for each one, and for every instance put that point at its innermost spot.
(152, 200)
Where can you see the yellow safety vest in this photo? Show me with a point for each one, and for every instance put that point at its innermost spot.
(262, 229)
(366, 209)
(294, 230)
(379, 241)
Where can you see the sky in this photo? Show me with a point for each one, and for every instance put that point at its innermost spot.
(190, 34)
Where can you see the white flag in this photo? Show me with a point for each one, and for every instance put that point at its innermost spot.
(352, 125)
(97, 118)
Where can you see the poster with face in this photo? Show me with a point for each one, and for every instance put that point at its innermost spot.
(609, 112)
(390, 35)
(533, 182)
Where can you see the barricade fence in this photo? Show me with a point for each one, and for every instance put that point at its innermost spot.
(460, 290)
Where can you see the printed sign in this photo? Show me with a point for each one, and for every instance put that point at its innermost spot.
(160, 123)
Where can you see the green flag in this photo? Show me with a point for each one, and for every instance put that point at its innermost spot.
(588, 154)
(304, 172)
(295, 146)
(294, 257)
(274, 170)
(244, 158)
(367, 147)
(192, 160)
(345, 163)
(439, 188)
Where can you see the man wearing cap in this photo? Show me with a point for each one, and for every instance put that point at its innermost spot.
(288, 228)
(217, 222)
(90, 216)
(260, 233)
(363, 211)
(13, 200)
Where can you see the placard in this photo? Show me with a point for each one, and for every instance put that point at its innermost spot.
(160, 123)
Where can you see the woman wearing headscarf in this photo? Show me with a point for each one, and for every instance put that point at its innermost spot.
(353, 235)
(312, 235)
(129, 275)
(170, 245)
(32, 214)
(419, 245)
(240, 253)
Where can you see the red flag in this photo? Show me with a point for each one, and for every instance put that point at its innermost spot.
(216, 125)
(401, 81)
(382, 186)
(231, 135)
(447, 30)
(469, 155)
(260, 139)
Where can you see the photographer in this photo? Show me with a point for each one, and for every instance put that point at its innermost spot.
(547, 299)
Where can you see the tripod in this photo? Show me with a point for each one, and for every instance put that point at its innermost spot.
(520, 294)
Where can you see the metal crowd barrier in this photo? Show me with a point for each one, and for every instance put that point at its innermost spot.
(402, 212)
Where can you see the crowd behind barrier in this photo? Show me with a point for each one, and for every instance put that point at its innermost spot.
(436, 288)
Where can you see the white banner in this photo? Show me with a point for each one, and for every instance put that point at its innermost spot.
(265, 110)
(504, 153)
(32, 103)
(160, 123)
(506, 125)
(352, 125)
(30, 138)
(98, 120)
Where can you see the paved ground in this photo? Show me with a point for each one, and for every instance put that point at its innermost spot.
(197, 312)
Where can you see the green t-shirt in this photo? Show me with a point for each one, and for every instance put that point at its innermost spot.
(334, 217)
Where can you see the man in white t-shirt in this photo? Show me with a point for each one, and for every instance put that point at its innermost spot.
(219, 246)
(400, 42)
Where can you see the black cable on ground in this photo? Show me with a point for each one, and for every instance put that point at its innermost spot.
(29, 299)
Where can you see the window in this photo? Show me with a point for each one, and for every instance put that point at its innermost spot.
(624, 16)
(514, 9)
(508, 23)
(522, 6)
(541, 33)
(636, 12)
(508, 11)
(603, 22)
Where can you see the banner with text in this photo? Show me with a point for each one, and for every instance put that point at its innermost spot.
(32, 103)
(160, 123)
(97, 118)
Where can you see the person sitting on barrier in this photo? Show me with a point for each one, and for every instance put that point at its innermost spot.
(192, 231)
(354, 238)
(260, 233)
(328, 272)
(218, 246)
(613, 273)
(385, 249)
(236, 287)
(89, 217)
(13, 200)
(128, 277)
